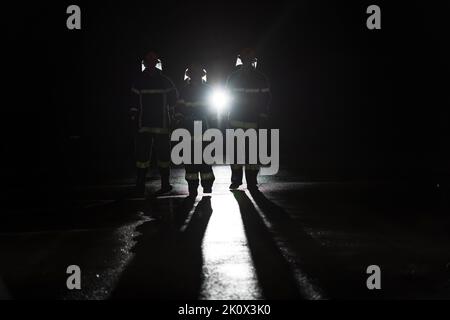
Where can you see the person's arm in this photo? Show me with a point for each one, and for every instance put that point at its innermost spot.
(265, 103)
(267, 98)
(134, 102)
(172, 97)
(179, 108)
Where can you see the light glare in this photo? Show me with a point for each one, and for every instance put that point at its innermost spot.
(219, 100)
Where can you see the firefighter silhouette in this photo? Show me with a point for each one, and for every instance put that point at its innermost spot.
(153, 97)
(193, 106)
(250, 106)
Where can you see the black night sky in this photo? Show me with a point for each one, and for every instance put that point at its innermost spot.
(352, 102)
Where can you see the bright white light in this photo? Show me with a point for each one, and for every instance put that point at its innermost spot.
(219, 100)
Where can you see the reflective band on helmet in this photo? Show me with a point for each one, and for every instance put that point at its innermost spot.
(154, 130)
(252, 167)
(142, 164)
(207, 176)
(243, 124)
(191, 176)
(163, 164)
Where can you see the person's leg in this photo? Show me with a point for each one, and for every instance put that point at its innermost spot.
(192, 179)
(236, 175)
(251, 174)
(251, 170)
(143, 154)
(207, 176)
(236, 170)
(162, 144)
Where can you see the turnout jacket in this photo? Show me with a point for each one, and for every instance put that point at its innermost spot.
(153, 96)
(193, 105)
(251, 97)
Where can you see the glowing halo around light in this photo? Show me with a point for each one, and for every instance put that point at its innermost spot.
(219, 100)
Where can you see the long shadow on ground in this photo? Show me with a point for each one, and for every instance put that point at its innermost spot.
(167, 261)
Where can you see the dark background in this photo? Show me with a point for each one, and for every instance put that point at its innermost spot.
(350, 103)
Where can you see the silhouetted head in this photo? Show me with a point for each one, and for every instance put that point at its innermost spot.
(151, 60)
(195, 73)
(248, 57)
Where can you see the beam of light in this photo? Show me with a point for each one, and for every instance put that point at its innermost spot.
(228, 268)
(219, 100)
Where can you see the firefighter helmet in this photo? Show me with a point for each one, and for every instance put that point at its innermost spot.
(247, 56)
(195, 70)
(151, 59)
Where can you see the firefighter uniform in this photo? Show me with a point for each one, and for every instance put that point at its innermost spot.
(154, 95)
(251, 97)
(191, 107)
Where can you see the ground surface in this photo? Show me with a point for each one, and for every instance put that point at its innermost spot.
(291, 240)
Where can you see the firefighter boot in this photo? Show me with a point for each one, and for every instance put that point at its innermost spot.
(140, 183)
(208, 178)
(251, 177)
(207, 187)
(165, 186)
(193, 186)
(236, 176)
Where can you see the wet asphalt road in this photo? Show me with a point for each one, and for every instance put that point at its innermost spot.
(291, 240)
